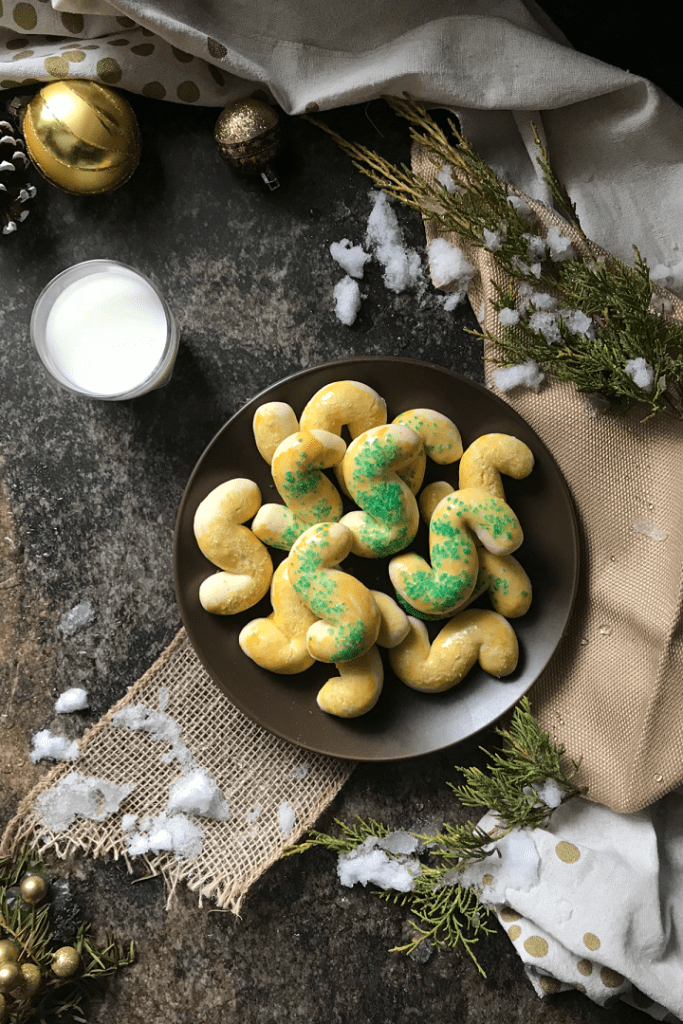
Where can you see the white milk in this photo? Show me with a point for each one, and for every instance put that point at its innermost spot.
(106, 333)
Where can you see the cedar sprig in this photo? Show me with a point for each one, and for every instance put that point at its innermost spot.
(444, 912)
(618, 298)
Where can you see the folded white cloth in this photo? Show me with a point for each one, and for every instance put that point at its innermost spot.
(595, 902)
(615, 140)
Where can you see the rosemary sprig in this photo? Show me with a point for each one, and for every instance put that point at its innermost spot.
(444, 912)
(618, 299)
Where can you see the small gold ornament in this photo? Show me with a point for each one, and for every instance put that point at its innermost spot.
(9, 951)
(33, 889)
(10, 977)
(31, 980)
(65, 961)
(248, 134)
(83, 137)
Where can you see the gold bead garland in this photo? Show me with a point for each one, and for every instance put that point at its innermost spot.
(9, 951)
(10, 977)
(83, 137)
(33, 889)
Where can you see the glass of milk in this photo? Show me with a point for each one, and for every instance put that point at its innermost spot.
(104, 330)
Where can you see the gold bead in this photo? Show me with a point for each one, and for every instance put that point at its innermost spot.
(9, 951)
(9, 977)
(3, 1007)
(33, 889)
(31, 980)
(248, 134)
(65, 962)
(83, 137)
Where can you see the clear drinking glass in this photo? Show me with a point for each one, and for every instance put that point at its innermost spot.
(103, 330)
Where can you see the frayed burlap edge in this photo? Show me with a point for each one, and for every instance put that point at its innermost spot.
(235, 855)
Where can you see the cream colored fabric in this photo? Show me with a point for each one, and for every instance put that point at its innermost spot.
(265, 781)
(613, 692)
(616, 140)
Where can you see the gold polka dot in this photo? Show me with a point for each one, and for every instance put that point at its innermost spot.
(591, 941)
(58, 67)
(640, 999)
(610, 978)
(146, 32)
(155, 90)
(508, 915)
(25, 16)
(536, 946)
(187, 92)
(143, 49)
(72, 23)
(119, 42)
(312, 108)
(216, 49)
(24, 53)
(550, 985)
(580, 988)
(1, 11)
(126, 22)
(514, 932)
(91, 46)
(486, 879)
(180, 55)
(109, 70)
(74, 56)
(585, 967)
(9, 83)
(567, 852)
(216, 74)
(15, 44)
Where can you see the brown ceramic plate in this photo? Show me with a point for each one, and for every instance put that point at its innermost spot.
(404, 723)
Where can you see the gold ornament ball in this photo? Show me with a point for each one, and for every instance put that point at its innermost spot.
(9, 951)
(83, 137)
(10, 977)
(65, 962)
(31, 980)
(33, 889)
(248, 134)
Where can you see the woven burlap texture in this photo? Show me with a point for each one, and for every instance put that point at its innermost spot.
(612, 694)
(257, 772)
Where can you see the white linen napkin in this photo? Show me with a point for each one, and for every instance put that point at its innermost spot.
(595, 902)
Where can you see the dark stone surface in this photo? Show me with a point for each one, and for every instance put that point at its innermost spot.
(89, 492)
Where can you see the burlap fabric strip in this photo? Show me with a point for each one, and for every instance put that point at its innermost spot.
(613, 692)
(258, 773)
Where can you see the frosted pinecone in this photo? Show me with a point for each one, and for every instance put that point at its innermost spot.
(15, 189)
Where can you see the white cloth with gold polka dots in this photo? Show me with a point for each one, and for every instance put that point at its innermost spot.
(599, 903)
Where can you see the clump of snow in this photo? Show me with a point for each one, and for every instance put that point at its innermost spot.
(508, 317)
(75, 699)
(559, 245)
(516, 868)
(546, 324)
(640, 372)
(47, 746)
(527, 374)
(548, 793)
(351, 258)
(77, 618)
(402, 266)
(160, 727)
(82, 795)
(286, 817)
(577, 321)
(649, 529)
(492, 240)
(128, 821)
(163, 697)
(300, 772)
(448, 266)
(445, 178)
(542, 300)
(175, 833)
(385, 862)
(454, 300)
(346, 300)
(670, 277)
(255, 814)
(538, 248)
(198, 793)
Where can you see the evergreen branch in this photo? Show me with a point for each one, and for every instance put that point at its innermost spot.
(353, 836)
(617, 298)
